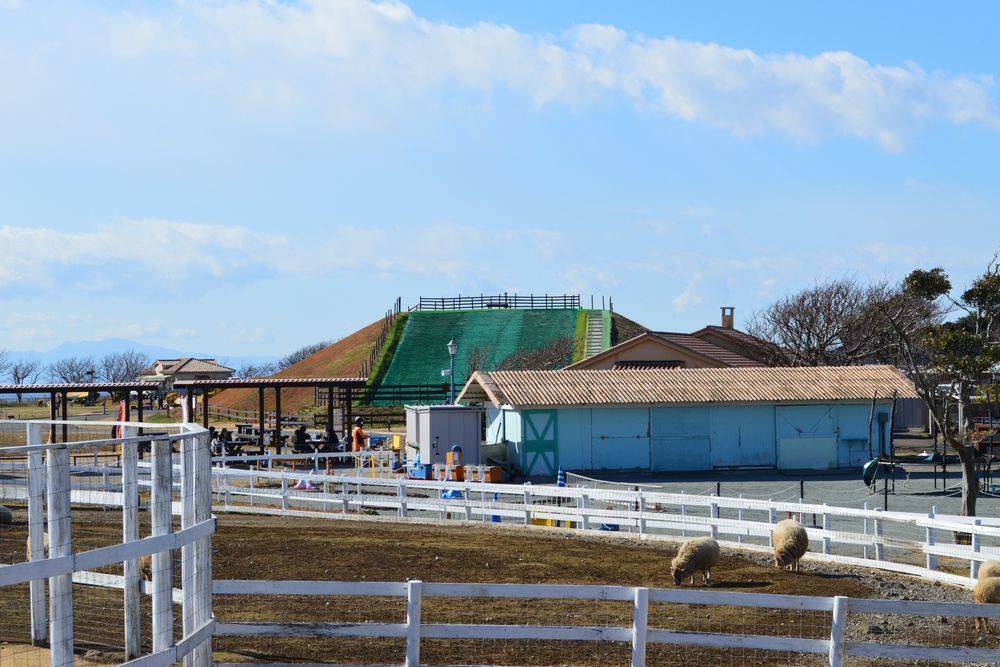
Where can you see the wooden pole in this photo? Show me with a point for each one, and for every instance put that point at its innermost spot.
(65, 415)
(838, 630)
(160, 503)
(36, 518)
(277, 418)
(203, 547)
(204, 407)
(189, 601)
(130, 533)
(639, 631)
(60, 545)
(413, 599)
(260, 416)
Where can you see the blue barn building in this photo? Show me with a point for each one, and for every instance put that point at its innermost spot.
(689, 419)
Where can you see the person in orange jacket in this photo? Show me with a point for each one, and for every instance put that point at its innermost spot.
(358, 438)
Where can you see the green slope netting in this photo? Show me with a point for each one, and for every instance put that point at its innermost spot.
(423, 351)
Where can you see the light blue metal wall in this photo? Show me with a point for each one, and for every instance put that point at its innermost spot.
(742, 436)
(688, 438)
(680, 438)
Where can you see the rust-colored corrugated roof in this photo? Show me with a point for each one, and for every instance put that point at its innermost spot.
(688, 385)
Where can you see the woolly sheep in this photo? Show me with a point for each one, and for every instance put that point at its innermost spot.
(791, 542)
(987, 591)
(45, 546)
(698, 555)
(989, 568)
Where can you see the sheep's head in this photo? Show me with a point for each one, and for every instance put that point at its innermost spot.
(782, 558)
(679, 572)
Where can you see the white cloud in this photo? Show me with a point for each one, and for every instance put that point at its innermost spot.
(151, 252)
(691, 294)
(352, 61)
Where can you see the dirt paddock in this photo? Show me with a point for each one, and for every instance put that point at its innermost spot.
(285, 548)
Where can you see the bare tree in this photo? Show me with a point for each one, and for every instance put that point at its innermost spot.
(554, 355)
(479, 358)
(23, 371)
(246, 371)
(946, 360)
(830, 323)
(73, 370)
(122, 366)
(300, 354)
(4, 361)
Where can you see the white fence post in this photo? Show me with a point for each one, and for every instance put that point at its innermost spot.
(826, 527)
(130, 533)
(582, 504)
(642, 514)
(161, 499)
(932, 560)
(684, 533)
(413, 596)
(36, 528)
(772, 518)
(879, 547)
(60, 587)
(714, 527)
(466, 496)
(203, 548)
(976, 545)
(864, 549)
(344, 497)
(284, 491)
(639, 632)
(401, 494)
(527, 504)
(838, 628)
(739, 517)
(188, 498)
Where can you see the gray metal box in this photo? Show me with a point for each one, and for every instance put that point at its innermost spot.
(434, 429)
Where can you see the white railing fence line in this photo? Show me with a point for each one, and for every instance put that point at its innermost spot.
(904, 542)
(50, 499)
(639, 635)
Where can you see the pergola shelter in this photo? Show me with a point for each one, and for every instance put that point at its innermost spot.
(62, 390)
(343, 388)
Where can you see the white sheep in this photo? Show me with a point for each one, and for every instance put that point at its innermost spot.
(987, 591)
(700, 554)
(45, 546)
(989, 568)
(791, 542)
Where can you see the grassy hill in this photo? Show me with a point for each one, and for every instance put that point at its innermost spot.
(341, 359)
(492, 334)
(417, 350)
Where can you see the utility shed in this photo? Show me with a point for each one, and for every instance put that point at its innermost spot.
(434, 429)
(689, 418)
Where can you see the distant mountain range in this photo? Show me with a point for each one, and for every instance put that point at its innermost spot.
(99, 348)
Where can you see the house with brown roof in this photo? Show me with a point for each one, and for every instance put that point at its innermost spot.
(663, 349)
(168, 371)
(682, 419)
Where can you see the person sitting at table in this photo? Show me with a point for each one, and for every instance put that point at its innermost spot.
(332, 441)
(300, 442)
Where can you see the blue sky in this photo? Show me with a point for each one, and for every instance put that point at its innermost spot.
(249, 177)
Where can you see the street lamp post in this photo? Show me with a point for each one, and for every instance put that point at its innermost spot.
(452, 349)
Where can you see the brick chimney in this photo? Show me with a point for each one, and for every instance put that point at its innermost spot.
(727, 317)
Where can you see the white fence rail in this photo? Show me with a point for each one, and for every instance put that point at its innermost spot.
(639, 634)
(898, 541)
(48, 490)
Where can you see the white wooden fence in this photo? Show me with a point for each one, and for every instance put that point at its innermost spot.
(836, 647)
(897, 541)
(49, 495)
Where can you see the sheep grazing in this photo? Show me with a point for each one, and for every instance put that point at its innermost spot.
(146, 567)
(45, 546)
(989, 568)
(698, 555)
(987, 591)
(791, 542)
